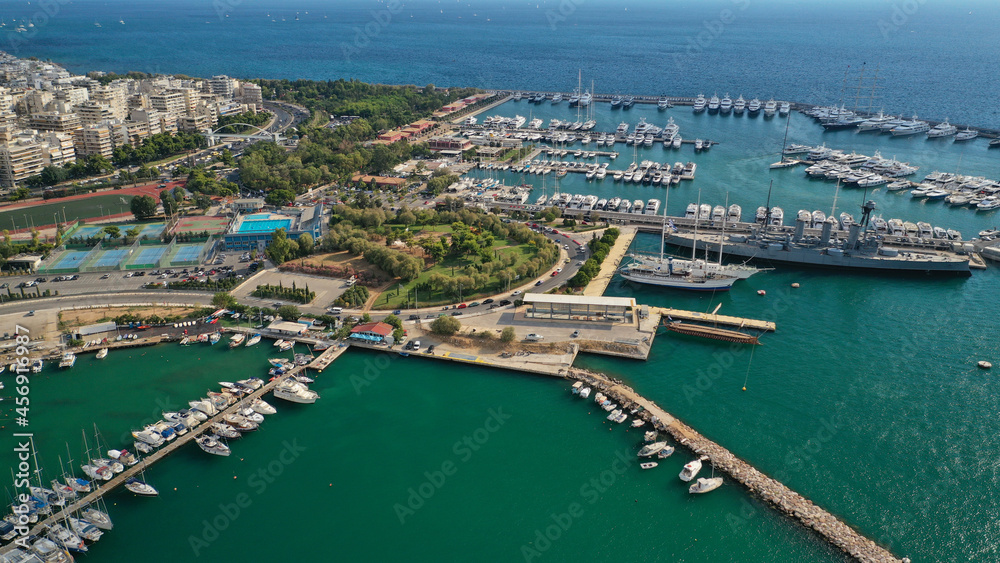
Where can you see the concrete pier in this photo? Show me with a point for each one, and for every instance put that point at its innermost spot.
(599, 284)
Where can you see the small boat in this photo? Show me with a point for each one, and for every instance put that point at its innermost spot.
(649, 436)
(303, 379)
(61, 536)
(648, 464)
(576, 387)
(140, 488)
(253, 340)
(102, 354)
(638, 422)
(240, 422)
(705, 485)
(237, 339)
(278, 342)
(37, 366)
(214, 338)
(691, 469)
(224, 430)
(213, 445)
(652, 449)
(286, 345)
(665, 452)
(142, 447)
(85, 529)
(585, 392)
(77, 484)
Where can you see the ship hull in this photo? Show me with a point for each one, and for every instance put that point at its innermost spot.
(816, 258)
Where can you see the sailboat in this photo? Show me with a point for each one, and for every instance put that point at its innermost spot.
(693, 277)
(785, 162)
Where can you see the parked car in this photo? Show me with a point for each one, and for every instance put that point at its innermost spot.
(516, 293)
(414, 317)
(462, 306)
(505, 302)
(487, 301)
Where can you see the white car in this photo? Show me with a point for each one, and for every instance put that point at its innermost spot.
(516, 293)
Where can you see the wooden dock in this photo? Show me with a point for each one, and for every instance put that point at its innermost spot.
(678, 314)
(119, 344)
(328, 356)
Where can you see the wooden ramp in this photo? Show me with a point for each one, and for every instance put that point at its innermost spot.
(678, 314)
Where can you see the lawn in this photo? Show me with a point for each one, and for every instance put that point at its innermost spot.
(400, 296)
(46, 213)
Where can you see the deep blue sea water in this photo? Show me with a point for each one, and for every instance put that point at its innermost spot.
(933, 58)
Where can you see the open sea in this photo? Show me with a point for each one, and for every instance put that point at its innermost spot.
(866, 400)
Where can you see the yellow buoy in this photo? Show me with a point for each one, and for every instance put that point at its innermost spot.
(744, 388)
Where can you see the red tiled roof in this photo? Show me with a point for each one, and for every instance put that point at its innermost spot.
(379, 328)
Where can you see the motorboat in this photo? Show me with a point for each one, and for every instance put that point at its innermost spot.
(637, 422)
(214, 338)
(966, 134)
(699, 103)
(103, 353)
(237, 339)
(585, 392)
(98, 472)
(77, 484)
(261, 406)
(205, 406)
(37, 366)
(213, 445)
(652, 449)
(240, 422)
(943, 129)
(704, 485)
(648, 464)
(141, 488)
(691, 469)
(142, 447)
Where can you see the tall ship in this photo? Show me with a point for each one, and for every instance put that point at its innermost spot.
(863, 249)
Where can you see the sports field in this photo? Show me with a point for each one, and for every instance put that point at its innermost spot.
(47, 213)
(149, 230)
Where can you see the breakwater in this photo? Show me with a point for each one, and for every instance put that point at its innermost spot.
(778, 495)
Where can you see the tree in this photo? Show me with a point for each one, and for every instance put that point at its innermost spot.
(306, 244)
(508, 335)
(143, 207)
(169, 203)
(446, 325)
(280, 198)
(223, 300)
(280, 248)
(289, 313)
(112, 231)
(393, 320)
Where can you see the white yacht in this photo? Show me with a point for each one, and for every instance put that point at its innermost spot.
(911, 127)
(103, 353)
(705, 485)
(784, 109)
(770, 107)
(753, 106)
(691, 469)
(739, 105)
(713, 103)
(734, 214)
(943, 129)
(295, 392)
(68, 360)
(726, 104)
(966, 134)
(699, 103)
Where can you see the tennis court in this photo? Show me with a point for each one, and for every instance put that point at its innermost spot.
(69, 259)
(214, 225)
(85, 231)
(110, 258)
(187, 252)
(149, 255)
(149, 230)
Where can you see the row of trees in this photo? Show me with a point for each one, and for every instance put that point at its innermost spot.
(156, 147)
(84, 167)
(599, 247)
(297, 294)
(355, 296)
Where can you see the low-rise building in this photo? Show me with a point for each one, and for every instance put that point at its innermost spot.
(371, 332)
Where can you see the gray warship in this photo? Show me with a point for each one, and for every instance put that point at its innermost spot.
(862, 249)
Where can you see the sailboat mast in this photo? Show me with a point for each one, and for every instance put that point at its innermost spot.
(663, 228)
(722, 237)
(767, 207)
(835, 194)
(694, 243)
